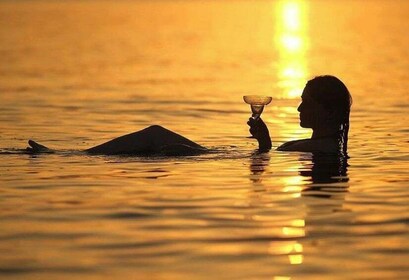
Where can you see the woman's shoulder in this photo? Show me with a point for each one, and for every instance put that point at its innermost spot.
(323, 145)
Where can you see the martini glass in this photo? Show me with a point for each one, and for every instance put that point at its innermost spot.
(257, 103)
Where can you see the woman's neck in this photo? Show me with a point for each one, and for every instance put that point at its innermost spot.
(324, 132)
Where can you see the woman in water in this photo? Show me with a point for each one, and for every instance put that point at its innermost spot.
(325, 109)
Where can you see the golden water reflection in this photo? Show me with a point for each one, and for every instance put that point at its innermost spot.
(291, 42)
(294, 228)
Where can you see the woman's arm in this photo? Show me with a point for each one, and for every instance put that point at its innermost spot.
(320, 145)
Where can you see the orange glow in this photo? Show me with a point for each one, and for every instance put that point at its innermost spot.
(296, 259)
(292, 231)
(298, 223)
(292, 185)
(296, 228)
(291, 41)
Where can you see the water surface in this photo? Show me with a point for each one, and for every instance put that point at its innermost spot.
(77, 73)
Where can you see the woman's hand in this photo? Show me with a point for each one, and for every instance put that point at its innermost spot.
(258, 128)
(260, 131)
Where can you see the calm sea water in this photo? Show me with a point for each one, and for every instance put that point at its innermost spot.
(77, 73)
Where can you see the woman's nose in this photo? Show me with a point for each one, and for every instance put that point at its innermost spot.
(299, 107)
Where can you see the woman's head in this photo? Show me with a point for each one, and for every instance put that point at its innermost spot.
(325, 101)
(325, 106)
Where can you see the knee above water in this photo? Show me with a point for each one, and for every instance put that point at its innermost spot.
(155, 128)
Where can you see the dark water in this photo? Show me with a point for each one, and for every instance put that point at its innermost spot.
(77, 73)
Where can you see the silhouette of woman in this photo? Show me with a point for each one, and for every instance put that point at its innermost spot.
(325, 108)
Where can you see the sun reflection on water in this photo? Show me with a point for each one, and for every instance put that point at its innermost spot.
(291, 41)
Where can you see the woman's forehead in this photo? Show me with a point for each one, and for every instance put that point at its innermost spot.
(305, 94)
(305, 91)
(307, 98)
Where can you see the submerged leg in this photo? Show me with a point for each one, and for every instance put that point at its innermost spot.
(152, 139)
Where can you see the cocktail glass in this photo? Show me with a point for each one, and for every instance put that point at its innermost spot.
(257, 103)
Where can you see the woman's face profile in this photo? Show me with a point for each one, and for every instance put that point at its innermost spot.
(312, 114)
(306, 109)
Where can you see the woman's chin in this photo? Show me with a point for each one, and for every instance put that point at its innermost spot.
(304, 125)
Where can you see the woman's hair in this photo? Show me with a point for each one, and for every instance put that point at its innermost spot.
(330, 92)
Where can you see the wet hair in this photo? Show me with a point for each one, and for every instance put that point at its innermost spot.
(332, 93)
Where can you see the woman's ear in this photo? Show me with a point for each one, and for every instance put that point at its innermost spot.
(334, 116)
